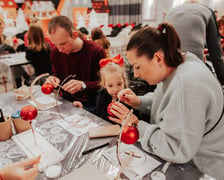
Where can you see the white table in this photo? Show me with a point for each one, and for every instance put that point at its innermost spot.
(7, 64)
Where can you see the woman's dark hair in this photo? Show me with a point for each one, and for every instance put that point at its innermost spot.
(147, 41)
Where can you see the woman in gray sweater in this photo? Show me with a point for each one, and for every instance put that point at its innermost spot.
(186, 108)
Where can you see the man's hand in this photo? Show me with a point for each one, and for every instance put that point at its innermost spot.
(72, 86)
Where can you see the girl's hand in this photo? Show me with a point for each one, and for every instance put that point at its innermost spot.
(77, 104)
(129, 97)
(121, 111)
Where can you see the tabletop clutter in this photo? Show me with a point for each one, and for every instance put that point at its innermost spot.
(19, 127)
(126, 158)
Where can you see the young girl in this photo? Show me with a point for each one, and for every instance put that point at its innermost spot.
(112, 80)
(38, 51)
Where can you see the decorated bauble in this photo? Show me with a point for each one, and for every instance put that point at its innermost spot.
(28, 113)
(47, 88)
(109, 107)
(130, 135)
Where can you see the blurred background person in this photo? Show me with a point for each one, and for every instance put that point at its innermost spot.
(196, 26)
(221, 32)
(38, 52)
(6, 48)
(98, 37)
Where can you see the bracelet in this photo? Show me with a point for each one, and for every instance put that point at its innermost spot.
(1, 178)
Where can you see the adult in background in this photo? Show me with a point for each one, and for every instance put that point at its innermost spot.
(196, 26)
(73, 55)
(187, 119)
(6, 48)
(221, 31)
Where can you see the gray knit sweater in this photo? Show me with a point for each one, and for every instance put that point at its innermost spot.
(183, 108)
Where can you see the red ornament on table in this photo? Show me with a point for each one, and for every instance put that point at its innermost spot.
(28, 113)
(47, 88)
(130, 134)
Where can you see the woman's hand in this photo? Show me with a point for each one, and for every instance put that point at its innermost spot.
(121, 111)
(22, 170)
(129, 97)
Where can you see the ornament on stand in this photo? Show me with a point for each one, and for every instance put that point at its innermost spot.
(129, 135)
(46, 89)
(29, 113)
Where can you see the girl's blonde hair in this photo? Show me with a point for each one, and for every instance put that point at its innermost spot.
(36, 38)
(112, 67)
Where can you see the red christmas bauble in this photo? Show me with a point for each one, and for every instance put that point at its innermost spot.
(109, 109)
(47, 88)
(15, 40)
(129, 135)
(28, 113)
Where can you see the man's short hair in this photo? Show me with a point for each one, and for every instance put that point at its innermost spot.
(60, 21)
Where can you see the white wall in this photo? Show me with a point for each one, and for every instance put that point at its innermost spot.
(166, 5)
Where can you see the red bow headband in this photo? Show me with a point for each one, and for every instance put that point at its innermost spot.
(117, 60)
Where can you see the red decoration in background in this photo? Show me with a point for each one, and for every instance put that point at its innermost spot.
(119, 25)
(110, 25)
(99, 6)
(126, 24)
(129, 135)
(133, 25)
(28, 113)
(47, 88)
(101, 26)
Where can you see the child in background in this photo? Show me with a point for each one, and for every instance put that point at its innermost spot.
(98, 37)
(38, 51)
